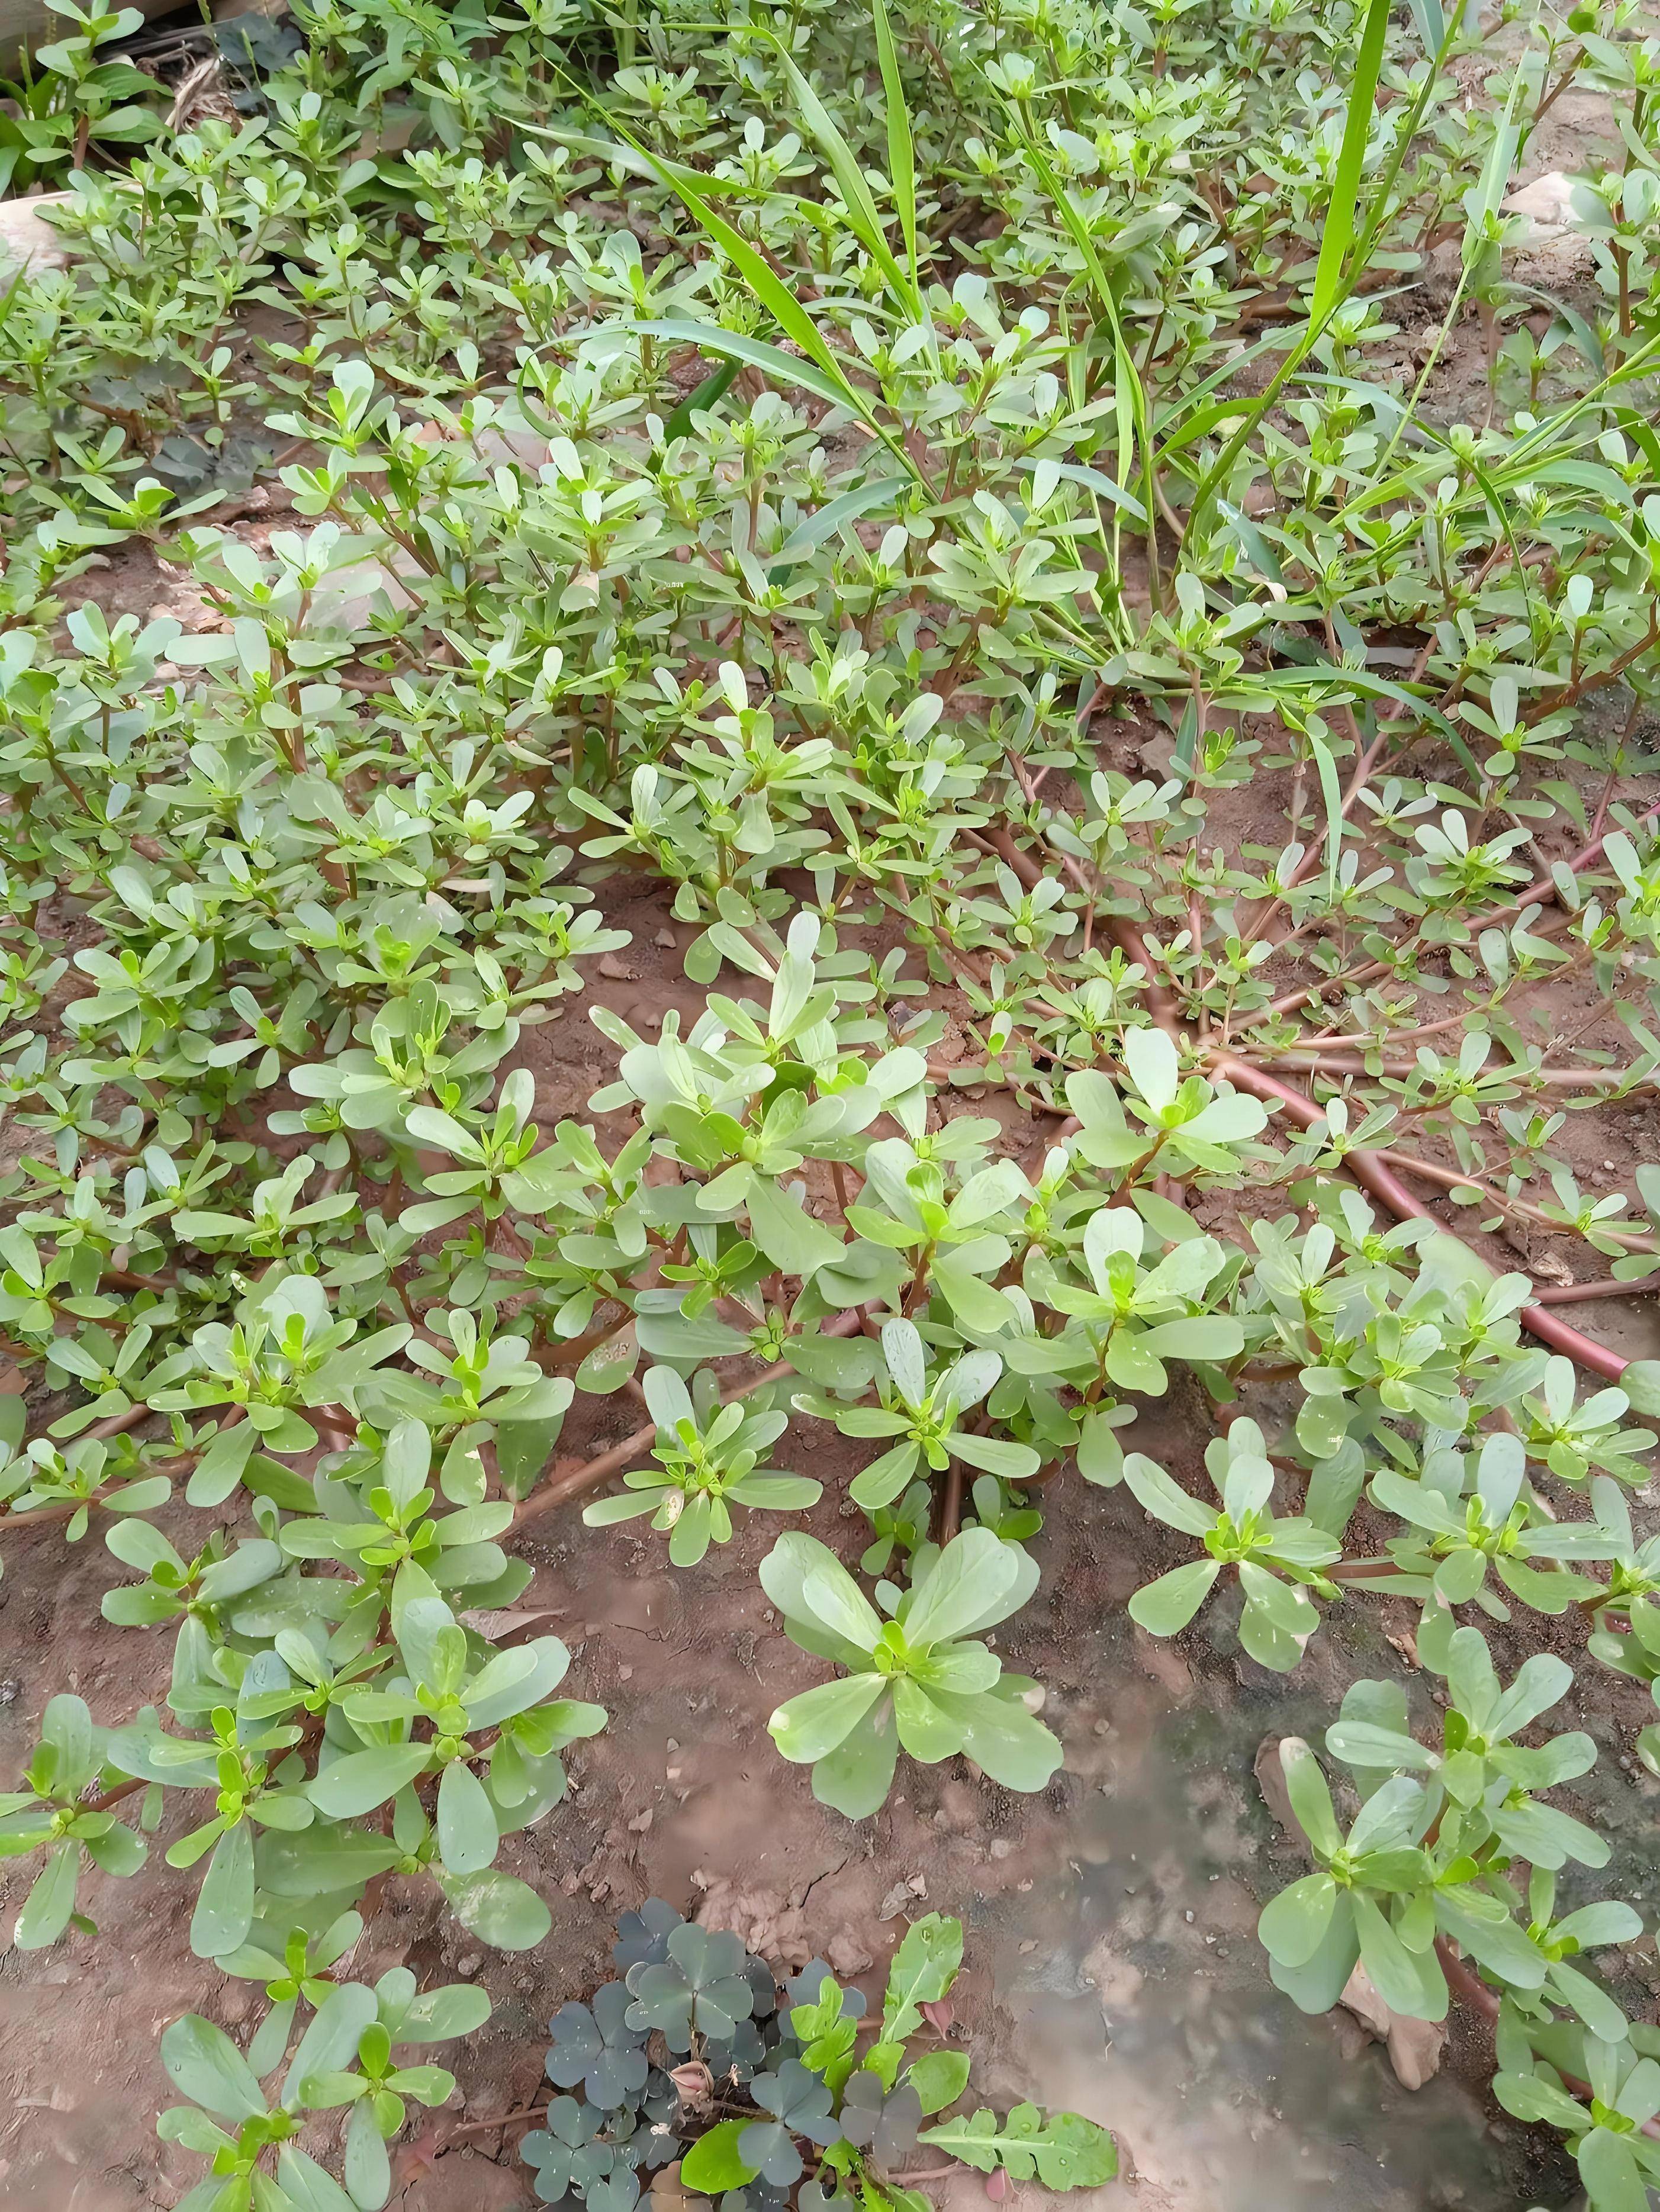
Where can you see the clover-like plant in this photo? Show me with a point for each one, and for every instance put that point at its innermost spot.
(699, 1989)
(595, 2044)
(821, 2114)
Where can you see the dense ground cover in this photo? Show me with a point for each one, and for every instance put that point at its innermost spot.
(1072, 544)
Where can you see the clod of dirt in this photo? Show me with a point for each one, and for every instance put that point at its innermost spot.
(1548, 199)
(1165, 1663)
(1115, 1980)
(901, 1897)
(461, 2176)
(26, 240)
(1415, 2046)
(771, 1926)
(1271, 1780)
(1556, 249)
(667, 2194)
(958, 1809)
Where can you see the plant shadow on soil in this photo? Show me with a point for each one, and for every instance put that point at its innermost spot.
(1112, 1965)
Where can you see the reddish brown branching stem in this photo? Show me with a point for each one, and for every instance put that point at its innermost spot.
(1537, 893)
(453, 2133)
(950, 1504)
(103, 1803)
(1565, 1294)
(1471, 1990)
(577, 1480)
(1373, 1175)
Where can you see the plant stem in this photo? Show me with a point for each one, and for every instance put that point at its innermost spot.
(1475, 1993)
(560, 1489)
(1373, 1175)
(1564, 1294)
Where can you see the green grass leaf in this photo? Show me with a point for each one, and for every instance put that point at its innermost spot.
(902, 149)
(851, 181)
(1341, 208)
(707, 395)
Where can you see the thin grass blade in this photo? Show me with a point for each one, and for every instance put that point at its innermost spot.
(1343, 207)
(734, 345)
(862, 210)
(848, 507)
(902, 148)
(709, 393)
(1127, 378)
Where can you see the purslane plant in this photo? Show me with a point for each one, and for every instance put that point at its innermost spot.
(1275, 1560)
(899, 541)
(343, 2060)
(704, 1468)
(1426, 1861)
(922, 1680)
